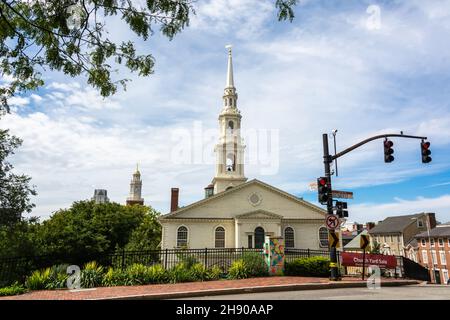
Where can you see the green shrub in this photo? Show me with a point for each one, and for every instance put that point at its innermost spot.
(91, 275)
(12, 290)
(58, 277)
(137, 274)
(157, 274)
(238, 270)
(114, 277)
(39, 279)
(180, 273)
(255, 264)
(308, 267)
(198, 272)
(214, 273)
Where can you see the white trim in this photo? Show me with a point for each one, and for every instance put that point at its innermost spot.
(445, 275)
(442, 254)
(425, 256)
(187, 238)
(224, 238)
(318, 236)
(284, 234)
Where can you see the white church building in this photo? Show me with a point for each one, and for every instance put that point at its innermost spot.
(236, 212)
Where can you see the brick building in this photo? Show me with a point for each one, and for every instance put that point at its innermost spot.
(434, 252)
(395, 234)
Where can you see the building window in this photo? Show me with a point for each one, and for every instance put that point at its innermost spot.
(424, 256)
(182, 237)
(420, 223)
(445, 275)
(289, 237)
(442, 257)
(424, 242)
(259, 238)
(433, 256)
(250, 241)
(231, 165)
(220, 237)
(441, 242)
(432, 242)
(323, 237)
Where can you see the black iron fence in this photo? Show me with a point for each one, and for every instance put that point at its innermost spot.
(18, 268)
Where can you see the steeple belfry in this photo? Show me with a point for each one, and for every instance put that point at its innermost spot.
(230, 149)
(135, 189)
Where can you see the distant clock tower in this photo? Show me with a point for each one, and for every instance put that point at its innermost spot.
(135, 189)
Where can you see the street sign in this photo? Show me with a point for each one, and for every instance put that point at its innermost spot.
(333, 239)
(364, 241)
(332, 222)
(342, 194)
(356, 260)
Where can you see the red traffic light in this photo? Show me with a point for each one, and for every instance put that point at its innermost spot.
(322, 181)
(388, 144)
(426, 145)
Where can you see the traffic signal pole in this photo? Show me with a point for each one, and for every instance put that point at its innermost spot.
(327, 160)
(327, 163)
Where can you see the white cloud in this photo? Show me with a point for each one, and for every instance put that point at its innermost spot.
(244, 18)
(375, 212)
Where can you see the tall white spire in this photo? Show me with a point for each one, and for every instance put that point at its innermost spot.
(230, 149)
(230, 80)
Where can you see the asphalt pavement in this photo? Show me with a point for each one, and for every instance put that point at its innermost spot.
(411, 292)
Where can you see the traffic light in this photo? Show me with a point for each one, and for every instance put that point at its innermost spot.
(341, 209)
(425, 148)
(388, 151)
(324, 189)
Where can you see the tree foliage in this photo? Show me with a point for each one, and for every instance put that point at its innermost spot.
(72, 36)
(88, 229)
(15, 190)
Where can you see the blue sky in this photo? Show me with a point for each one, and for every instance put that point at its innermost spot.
(328, 69)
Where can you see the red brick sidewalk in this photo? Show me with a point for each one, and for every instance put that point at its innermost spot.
(162, 290)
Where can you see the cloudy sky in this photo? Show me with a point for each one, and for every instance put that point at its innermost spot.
(336, 66)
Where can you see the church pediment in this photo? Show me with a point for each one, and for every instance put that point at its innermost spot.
(259, 214)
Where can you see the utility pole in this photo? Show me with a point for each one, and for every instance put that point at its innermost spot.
(327, 161)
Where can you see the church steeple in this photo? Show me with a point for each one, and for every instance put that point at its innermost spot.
(230, 149)
(135, 189)
(230, 80)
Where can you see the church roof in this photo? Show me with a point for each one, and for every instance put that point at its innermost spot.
(236, 189)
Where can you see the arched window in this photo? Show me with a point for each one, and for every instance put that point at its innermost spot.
(323, 237)
(219, 237)
(231, 102)
(182, 237)
(289, 237)
(230, 163)
(230, 127)
(259, 238)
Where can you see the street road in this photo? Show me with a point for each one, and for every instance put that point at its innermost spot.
(411, 292)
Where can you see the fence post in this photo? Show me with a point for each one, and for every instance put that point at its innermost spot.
(206, 257)
(309, 254)
(165, 260)
(123, 259)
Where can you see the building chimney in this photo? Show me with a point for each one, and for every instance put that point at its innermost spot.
(431, 220)
(370, 225)
(174, 199)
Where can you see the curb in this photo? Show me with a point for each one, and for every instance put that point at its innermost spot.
(274, 288)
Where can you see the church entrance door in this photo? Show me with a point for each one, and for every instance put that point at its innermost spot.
(259, 238)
